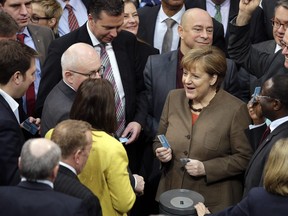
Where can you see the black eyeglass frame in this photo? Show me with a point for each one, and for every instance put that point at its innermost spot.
(35, 19)
(100, 71)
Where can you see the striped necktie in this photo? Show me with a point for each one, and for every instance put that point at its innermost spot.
(218, 15)
(108, 74)
(72, 21)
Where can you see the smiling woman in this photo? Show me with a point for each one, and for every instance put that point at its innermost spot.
(131, 19)
(205, 125)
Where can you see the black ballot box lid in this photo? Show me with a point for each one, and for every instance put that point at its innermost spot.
(179, 202)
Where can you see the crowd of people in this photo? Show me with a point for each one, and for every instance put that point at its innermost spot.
(87, 86)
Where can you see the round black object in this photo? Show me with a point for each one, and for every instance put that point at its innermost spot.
(179, 202)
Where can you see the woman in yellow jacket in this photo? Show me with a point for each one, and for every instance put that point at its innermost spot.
(106, 171)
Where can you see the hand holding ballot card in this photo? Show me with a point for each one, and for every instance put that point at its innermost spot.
(164, 153)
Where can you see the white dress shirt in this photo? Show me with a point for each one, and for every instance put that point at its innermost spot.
(12, 104)
(161, 28)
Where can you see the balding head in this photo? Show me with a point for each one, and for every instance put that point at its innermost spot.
(38, 159)
(195, 29)
(79, 58)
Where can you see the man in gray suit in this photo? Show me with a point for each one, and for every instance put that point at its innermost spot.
(37, 37)
(164, 73)
(79, 62)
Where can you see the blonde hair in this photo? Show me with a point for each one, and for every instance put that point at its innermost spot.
(210, 59)
(275, 171)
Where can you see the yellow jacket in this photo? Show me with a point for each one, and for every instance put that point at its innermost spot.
(106, 175)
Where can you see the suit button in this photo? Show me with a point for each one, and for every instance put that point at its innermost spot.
(185, 153)
(188, 137)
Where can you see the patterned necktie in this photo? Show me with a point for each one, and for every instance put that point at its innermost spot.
(108, 74)
(265, 134)
(218, 15)
(168, 37)
(72, 21)
(30, 93)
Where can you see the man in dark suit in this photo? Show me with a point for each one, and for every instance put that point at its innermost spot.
(79, 62)
(257, 32)
(272, 103)
(34, 195)
(75, 141)
(102, 27)
(259, 63)
(37, 37)
(150, 20)
(17, 63)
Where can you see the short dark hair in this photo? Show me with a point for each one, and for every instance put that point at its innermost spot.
(111, 7)
(95, 103)
(14, 57)
(279, 89)
(8, 26)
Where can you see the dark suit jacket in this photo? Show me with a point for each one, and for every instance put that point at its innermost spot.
(127, 56)
(253, 175)
(38, 199)
(259, 63)
(11, 142)
(258, 203)
(67, 182)
(57, 106)
(147, 23)
(160, 78)
(257, 33)
(268, 7)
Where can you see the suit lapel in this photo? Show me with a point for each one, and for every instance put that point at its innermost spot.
(38, 41)
(8, 108)
(265, 143)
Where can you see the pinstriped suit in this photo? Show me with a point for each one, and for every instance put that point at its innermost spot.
(67, 182)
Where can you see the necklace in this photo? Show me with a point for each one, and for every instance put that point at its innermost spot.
(192, 108)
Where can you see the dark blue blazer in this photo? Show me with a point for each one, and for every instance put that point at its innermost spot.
(258, 203)
(11, 142)
(254, 171)
(38, 199)
(67, 182)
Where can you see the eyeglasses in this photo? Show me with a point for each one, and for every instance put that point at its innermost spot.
(258, 97)
(278, 24)
(92, 74)
(35, 19)
(283, 44)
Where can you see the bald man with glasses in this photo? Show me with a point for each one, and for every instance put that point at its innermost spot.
(79, 62)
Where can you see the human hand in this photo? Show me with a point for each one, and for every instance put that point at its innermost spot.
(164, 154)
(201, 209)
(195, 168)
(246, 9)
(134, 128)
(139, 190)
(255, 112)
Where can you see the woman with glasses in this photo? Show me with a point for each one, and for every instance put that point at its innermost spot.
(46, 13)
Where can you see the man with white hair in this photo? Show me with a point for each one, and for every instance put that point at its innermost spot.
(79, 62)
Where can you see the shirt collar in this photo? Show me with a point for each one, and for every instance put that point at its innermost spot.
(278, 122)
(68, 167)
(47, 182)
(176, 17)
(11, 102)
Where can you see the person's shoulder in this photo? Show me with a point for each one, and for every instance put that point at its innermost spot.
(40, 29)
(228, 98)
(146, 10)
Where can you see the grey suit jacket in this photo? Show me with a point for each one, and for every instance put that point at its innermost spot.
(160, 77)
(42, 37)
(57, 106)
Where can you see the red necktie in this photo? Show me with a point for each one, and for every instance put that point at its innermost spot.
(265, 134)
(30, 93)
(72, 21)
